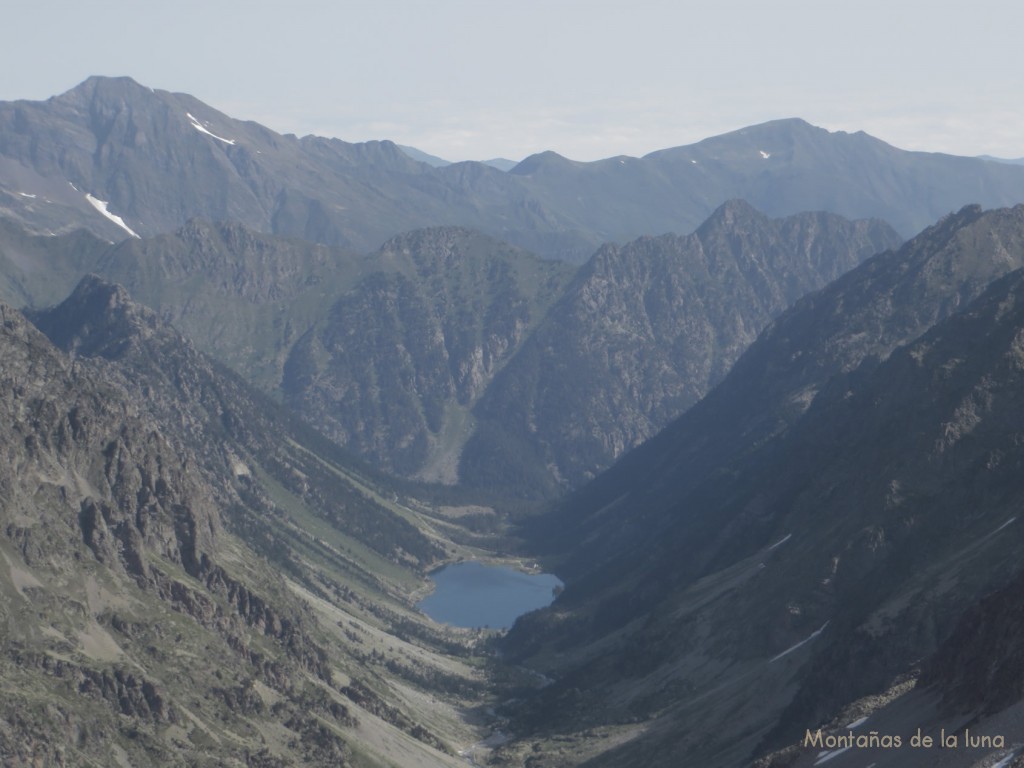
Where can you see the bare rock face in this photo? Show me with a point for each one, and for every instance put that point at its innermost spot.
(828, 517)
(129, 493)
(644, 331)
(136, 623)
(446, 336)
(398, 362)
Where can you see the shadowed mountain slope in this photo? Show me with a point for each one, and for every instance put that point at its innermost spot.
(394, 366)
(395, 354)
(729, 589)
(644, 331)
(855, 321)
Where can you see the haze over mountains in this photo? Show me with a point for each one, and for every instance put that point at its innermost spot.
(158, 159)
(414, 352)
(778, 447)
(768, 512)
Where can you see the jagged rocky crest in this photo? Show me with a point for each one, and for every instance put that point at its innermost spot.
(861, 494)
(139, 503)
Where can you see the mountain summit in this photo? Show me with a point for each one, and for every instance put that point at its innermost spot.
(125, 160)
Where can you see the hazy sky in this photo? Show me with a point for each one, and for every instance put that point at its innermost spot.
(475, 79)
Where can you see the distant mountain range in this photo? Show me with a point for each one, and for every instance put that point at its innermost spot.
(1012, 161)
(501, 163)
(119, 158)
(792, 444)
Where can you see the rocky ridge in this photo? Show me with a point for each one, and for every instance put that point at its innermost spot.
(119, 158)
(144, 502)
(755, 592)
(644, 331)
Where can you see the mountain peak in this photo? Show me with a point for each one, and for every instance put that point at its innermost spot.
(99, 308)
(732, 211)
(542, 161)
(104, 87)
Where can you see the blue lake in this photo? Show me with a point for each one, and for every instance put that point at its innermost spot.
(476, 595)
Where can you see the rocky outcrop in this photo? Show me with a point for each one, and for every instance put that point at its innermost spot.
(102, 509)
(980, 666)
(124, 690)
(859, 494)
(396, 365)
(643, 332)
(206, 410)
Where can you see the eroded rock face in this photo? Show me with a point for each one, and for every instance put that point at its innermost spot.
(444, 335)
(117, 479)
(645, 330)
(132, 437)
(817, 525)
(101, 511)
(207, 412)
(399, 361)
(980, 666)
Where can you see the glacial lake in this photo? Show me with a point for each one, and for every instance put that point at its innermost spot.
(472, 594)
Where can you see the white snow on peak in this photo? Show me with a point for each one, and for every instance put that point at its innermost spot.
(101, 206)
(781, 541)
(802, 642)
(199, 127)
(764, 154)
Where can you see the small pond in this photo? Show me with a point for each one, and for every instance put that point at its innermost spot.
(472, 594)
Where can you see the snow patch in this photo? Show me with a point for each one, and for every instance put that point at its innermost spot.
(1006, 760)
(764, 154)
(101, 206)
(1008, 522)
(781, 541)
(856, 724)
(798, 645)
(26, 194)
(72, 186)
(829, 755)
(694, 162)
(199, 127)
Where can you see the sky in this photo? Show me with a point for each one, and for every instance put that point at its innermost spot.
(478, 79)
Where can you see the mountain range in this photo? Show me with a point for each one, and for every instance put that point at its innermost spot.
(812, 529)
(195, 576)
(446, 338)
(255, 388)
(116, 157)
